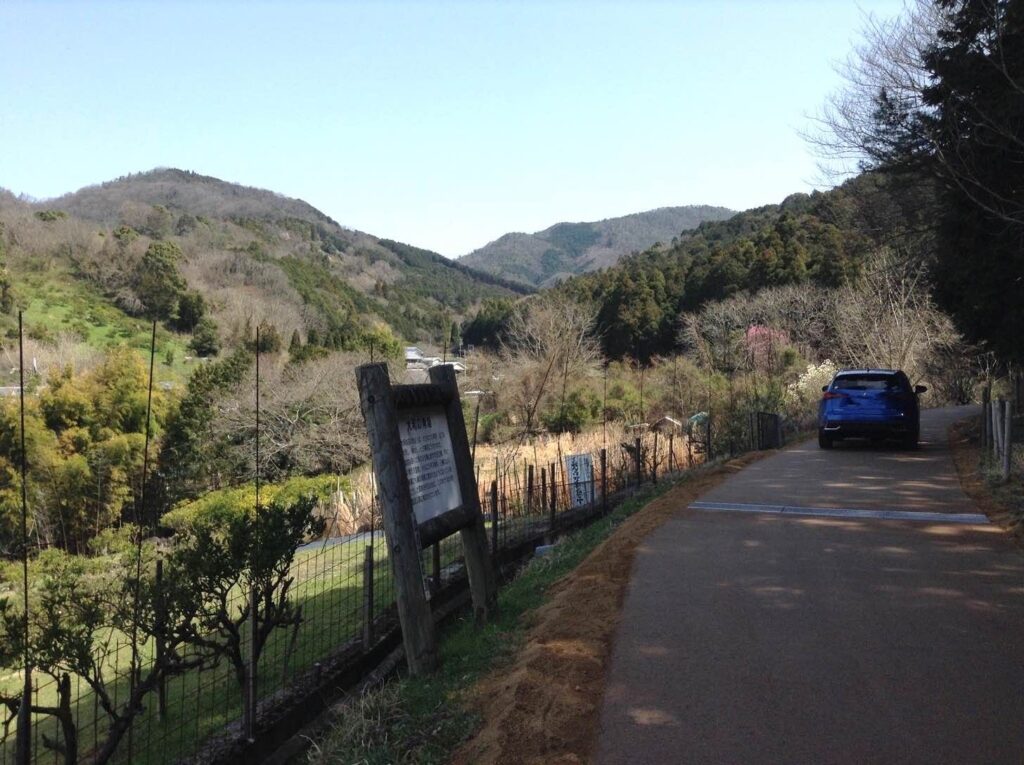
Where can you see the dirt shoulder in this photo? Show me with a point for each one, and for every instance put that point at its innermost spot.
(1002, 504)
(544, 706)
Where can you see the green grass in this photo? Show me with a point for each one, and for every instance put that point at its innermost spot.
(54, 302)
(328, 583)
(420, 720)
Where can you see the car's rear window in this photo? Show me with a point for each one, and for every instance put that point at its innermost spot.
(868, 381)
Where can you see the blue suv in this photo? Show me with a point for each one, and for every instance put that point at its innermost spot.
(869, 403)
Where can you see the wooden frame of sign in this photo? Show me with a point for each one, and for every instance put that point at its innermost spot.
(427, 491)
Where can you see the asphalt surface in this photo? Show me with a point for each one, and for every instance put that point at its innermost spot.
(790, 620)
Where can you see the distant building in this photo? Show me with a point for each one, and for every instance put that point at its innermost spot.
(415, 360)
(668, 424)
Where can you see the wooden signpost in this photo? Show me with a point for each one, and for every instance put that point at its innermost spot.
(427, 491)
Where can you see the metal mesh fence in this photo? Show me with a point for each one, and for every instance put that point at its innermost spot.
(344, 590)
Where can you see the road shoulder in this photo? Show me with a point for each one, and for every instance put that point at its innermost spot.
(544, 706)
(1003, 506)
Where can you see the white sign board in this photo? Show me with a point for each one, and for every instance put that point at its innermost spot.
(429, 462)
(579, 469)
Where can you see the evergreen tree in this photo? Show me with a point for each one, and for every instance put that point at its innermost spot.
(205, 339)
(191, 310)
(975, 119)
(157, 281)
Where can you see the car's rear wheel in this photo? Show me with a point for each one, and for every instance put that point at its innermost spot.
(824, 440)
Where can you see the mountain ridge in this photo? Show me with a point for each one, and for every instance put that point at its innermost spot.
(238, 256)
(564, 249)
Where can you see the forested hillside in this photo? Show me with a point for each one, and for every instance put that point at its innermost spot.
(546, 257)
(818, 239)
(212, 260)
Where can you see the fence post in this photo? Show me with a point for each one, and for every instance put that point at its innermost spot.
(554, 502)
(494, 517)
(654, 460)
(604, 480)
(985, 418)
(368, 597)
(529, 489)
(997, 431)
(638, 444)
(1007, 440)
(671, 452)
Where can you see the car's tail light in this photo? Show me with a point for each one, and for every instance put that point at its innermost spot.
(829, 395)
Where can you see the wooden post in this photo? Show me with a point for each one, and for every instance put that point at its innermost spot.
(671, 451)
(638, 444)
(554, 499)
(494, 517)
(543, 487)
(399, 522)
(479, 566)
(604, 480)
(654, 460)
(997, 431)
(1007, 439)
(368, 597)
(985, 418)
(529, 489)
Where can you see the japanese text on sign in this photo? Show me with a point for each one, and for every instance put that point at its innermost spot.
(429, 462)
(580, 470)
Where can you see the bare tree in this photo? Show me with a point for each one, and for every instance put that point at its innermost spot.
(549, 343)
(888, 319)
(887, 63)
(883, 117)
(309, 418)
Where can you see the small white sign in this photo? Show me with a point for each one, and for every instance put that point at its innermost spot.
(579, 469)
(429, 462)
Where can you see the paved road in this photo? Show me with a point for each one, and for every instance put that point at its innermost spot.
(792, 620)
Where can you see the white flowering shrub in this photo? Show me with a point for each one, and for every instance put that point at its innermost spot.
(803, 395)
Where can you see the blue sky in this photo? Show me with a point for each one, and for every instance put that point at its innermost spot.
(442, 124)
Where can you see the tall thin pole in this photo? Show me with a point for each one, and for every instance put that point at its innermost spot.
(254, 583)
(604, 409)
(23, 753)
(642, 369)
(140, 510)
